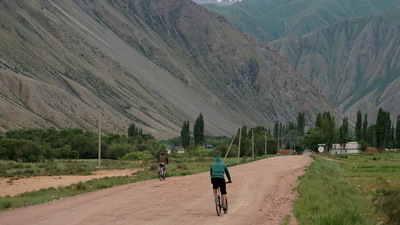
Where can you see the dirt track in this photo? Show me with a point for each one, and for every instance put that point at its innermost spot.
(261, 193)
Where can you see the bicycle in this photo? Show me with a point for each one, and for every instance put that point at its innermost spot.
(219, 203)
(161, 172)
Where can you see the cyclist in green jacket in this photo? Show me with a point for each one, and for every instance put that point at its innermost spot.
(218, 169)
(162, 161)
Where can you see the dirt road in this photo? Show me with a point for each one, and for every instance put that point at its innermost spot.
(261, 193)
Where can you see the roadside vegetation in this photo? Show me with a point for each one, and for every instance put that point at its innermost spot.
(353, 189)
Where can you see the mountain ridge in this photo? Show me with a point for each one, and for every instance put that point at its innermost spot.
(145, 62)
(353, 62)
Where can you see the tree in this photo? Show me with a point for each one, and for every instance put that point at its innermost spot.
(389, 137)
(301, 123)
(344, 132)
(134, 131)
(276, 129)
(318, 120)
(313, 137)
(328, 129)
(365, 129)
(359, 126)
(380, 129)
(185, 134)
(198, 130)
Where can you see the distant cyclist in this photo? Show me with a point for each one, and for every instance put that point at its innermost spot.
(162, 161)
(217, 172)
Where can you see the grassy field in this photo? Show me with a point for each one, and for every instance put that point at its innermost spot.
(350, 189)
(179, 166)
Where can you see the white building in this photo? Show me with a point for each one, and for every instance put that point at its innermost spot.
(350, 147)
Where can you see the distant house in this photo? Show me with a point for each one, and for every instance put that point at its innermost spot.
(180, 150)
(351, 147)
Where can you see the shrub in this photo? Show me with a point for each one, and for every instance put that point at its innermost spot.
(80, 186)
(182, 166)
(117, 151)
(215, 153)
(5, 203)
(388, 202)
(138, 156)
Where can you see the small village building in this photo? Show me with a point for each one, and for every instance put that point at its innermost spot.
(349, 148)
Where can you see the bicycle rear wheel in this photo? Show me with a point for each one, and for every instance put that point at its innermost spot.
(160, 174)
(218, 205)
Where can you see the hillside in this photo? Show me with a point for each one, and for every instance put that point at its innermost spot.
(274, 19)
(355, 62)
(155, 63)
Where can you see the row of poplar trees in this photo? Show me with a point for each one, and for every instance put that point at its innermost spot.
(198, 132)
(383, 134)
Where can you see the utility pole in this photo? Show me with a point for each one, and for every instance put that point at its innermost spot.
(252, 142)
(240, 138)
(265, 145)
(99, 153)
(230, 146)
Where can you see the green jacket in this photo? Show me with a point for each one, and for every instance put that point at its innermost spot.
(218, 169)
(163, 158)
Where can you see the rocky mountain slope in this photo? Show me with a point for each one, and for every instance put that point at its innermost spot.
(155, 63)
(347, 49)
(274, 19)
(355, 62)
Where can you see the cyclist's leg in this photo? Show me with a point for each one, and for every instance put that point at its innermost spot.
(223, 192)
(224, 197)
(165, 169)
(214, 182)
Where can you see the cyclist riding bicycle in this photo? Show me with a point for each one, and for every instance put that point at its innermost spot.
(218, 169)
(162, 161)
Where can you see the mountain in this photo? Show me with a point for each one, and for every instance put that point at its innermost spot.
(218, 2)
(347, 49)
(156, 63)
(354, 62)
(274, 19)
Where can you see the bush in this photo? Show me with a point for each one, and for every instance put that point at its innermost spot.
(52, 168)
(5, 203)
(117, 151)
(80, 186)
(138, 156)
(388, 202)
(215, 153)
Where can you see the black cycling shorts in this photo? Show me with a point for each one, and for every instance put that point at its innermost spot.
(163, 165)
(219, 182)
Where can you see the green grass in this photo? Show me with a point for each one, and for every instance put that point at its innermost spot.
(354, 189)
(59, 167)
(377, 179)
(327, 198)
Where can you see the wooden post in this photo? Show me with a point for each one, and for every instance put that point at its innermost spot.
(240, 138)
(252, 142)
(99, 153)
(230, 146)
